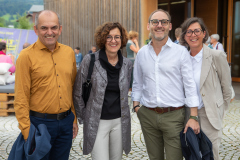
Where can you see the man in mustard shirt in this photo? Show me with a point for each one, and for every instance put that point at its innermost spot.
(45, 74)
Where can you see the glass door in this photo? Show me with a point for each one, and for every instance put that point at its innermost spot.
(235, 56)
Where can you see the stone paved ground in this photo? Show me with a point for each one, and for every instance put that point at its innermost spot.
(230, 147)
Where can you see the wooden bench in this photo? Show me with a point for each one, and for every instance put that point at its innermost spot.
(6, 103)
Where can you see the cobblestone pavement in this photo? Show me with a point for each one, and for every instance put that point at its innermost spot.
(230, 146)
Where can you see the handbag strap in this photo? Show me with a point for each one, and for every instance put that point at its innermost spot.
(90, 69)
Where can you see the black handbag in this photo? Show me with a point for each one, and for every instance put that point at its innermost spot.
(87, 86)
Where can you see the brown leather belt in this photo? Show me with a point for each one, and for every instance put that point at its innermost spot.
(162, 110)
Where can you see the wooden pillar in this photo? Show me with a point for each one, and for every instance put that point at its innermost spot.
(147, 7)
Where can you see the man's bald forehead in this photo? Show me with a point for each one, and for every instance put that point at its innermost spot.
(47, 12)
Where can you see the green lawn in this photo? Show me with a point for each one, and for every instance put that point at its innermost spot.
(7, 17)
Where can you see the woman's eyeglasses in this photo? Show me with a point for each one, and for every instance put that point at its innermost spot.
(110, 38)
(197, 32)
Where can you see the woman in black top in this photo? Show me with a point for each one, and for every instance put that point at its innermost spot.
(106, 117)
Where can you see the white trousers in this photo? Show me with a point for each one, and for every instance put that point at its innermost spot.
(108, 143)
(213, 134)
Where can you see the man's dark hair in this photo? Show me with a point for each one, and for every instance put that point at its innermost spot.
(77, 48)
(2, 46)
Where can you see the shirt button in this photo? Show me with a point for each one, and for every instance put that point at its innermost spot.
(59, 86)
(60, 108)
(55, 64)
(57, 74)
(60, 97)
(203, 94)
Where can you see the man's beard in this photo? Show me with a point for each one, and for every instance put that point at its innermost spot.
(159, 38)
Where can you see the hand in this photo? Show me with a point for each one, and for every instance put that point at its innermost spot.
(194, 125)
(135, 41)
(75, 130)
(136, 109)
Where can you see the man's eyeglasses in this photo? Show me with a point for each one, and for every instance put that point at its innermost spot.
(197, 32)
(155, 22)
(110, 38)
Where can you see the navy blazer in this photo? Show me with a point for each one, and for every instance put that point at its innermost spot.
(196, 146)
(36, 146)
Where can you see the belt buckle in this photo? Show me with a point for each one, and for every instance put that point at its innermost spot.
(159, 112)
(59, 117)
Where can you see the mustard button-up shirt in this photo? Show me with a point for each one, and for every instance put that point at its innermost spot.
(43, 82)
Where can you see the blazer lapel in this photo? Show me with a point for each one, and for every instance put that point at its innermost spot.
(206, 64)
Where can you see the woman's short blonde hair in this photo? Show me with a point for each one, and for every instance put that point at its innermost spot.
(132, 34)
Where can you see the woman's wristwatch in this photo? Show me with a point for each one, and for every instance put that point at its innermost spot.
(133, 110)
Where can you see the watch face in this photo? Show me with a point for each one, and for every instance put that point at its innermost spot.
(194, 117)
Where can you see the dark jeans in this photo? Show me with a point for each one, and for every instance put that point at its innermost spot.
(61, 136)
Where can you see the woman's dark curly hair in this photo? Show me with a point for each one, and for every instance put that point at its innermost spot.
(185, 26)
(102, 32)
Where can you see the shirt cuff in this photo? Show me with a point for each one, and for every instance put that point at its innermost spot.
(25, 132)
(192, 101)
(136, 96)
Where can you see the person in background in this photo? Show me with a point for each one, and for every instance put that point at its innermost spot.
(215, 44)
(45, 76)
(25, 45)
(3, 48)
(78, 56)
(213, 81)
(163, 82)
(5, 58)
(132, 45)
(149, 39)
(207, 43)
(178, 32)
(93, 49)
(106, 115)
(132, 49)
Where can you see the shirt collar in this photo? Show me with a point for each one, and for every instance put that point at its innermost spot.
(168, 43)
(42, 46)
(198, 57)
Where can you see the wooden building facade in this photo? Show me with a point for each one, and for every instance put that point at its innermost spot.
(80, 18)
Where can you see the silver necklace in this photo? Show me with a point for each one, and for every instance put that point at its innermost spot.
(113, 64)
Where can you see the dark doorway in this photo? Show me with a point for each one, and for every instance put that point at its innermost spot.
(235, 56)
(179, 11)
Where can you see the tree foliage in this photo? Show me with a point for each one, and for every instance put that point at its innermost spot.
(24, 23)
(2, 22)
(17, 6)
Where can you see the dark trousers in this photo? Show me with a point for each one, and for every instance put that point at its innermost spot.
(61, 136)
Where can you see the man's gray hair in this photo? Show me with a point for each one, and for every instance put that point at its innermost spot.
(215, 36)
(49, 11)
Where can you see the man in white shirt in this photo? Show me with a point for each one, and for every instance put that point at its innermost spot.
(163, 83)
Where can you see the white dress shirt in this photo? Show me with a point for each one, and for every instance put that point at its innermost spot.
(197, 67)
(160, 80)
